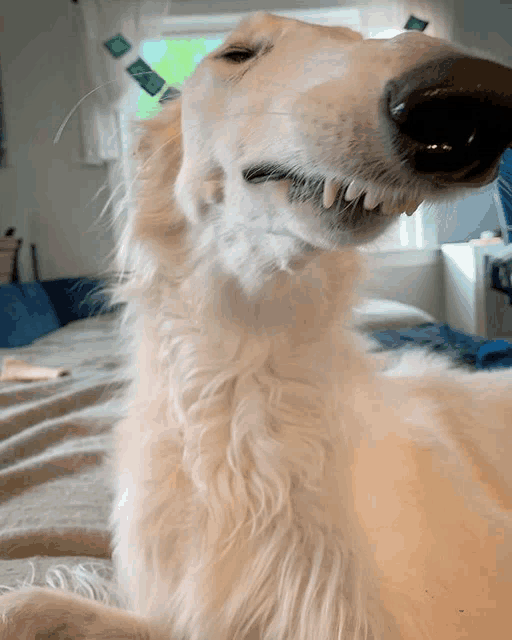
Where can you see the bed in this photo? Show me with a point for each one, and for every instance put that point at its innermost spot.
(55, 494)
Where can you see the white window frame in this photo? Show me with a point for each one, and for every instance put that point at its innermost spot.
(409, 232)
(165, 27)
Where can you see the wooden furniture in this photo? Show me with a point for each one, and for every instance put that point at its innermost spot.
(9, 248)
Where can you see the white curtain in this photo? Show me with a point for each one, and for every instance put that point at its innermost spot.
(104, 79)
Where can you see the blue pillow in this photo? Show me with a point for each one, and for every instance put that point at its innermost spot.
(76, 298)
(26, 313)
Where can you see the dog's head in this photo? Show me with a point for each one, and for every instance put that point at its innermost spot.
(299, 137)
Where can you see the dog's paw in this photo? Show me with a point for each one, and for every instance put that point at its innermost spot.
(51, 614)
(36, 614)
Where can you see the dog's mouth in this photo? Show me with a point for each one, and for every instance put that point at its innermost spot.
(353, 197)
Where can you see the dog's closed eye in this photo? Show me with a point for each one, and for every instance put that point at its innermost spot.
(238, 55)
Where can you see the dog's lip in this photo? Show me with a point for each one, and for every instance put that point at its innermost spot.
(328, 190)
(265, 172)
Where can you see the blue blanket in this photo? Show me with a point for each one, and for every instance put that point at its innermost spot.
(461, 346)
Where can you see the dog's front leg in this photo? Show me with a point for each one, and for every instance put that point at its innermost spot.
(48, 614)
(433, 490)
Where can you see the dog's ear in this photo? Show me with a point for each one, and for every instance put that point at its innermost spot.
(173, 187)
(158, 157)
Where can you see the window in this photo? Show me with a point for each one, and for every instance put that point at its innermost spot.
(174, 60)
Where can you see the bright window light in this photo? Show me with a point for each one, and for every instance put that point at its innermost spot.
(385, 34)
(173, 60)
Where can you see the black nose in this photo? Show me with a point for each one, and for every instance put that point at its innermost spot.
(450, 118)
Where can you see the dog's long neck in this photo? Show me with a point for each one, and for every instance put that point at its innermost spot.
(250, 398)
(294, 320)
(251, 378)
(262, 419)
(222, 343)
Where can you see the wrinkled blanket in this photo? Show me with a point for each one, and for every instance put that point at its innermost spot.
(55, 435)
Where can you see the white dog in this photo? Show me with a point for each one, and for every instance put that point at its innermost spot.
(272, 480)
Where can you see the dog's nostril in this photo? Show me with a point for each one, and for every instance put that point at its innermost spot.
(443, 134)
(451, 117)
(397, 111)
(437, 148)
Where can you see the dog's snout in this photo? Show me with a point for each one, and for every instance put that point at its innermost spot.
(450, 118)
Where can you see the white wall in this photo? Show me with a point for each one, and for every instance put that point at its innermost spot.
(469, 216)
(414, 277)
(45, 192)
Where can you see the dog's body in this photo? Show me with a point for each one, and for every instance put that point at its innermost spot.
(272, 480)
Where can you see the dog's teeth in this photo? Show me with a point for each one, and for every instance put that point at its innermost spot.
(411, 206)
(371, 199)
(353, 191)
(391, 204)
(389, 208)
(330, 191)
(397, 207)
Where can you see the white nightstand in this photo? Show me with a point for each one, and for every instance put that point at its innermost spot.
(470, 304)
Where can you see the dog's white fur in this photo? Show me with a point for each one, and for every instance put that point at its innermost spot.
(272, 479)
